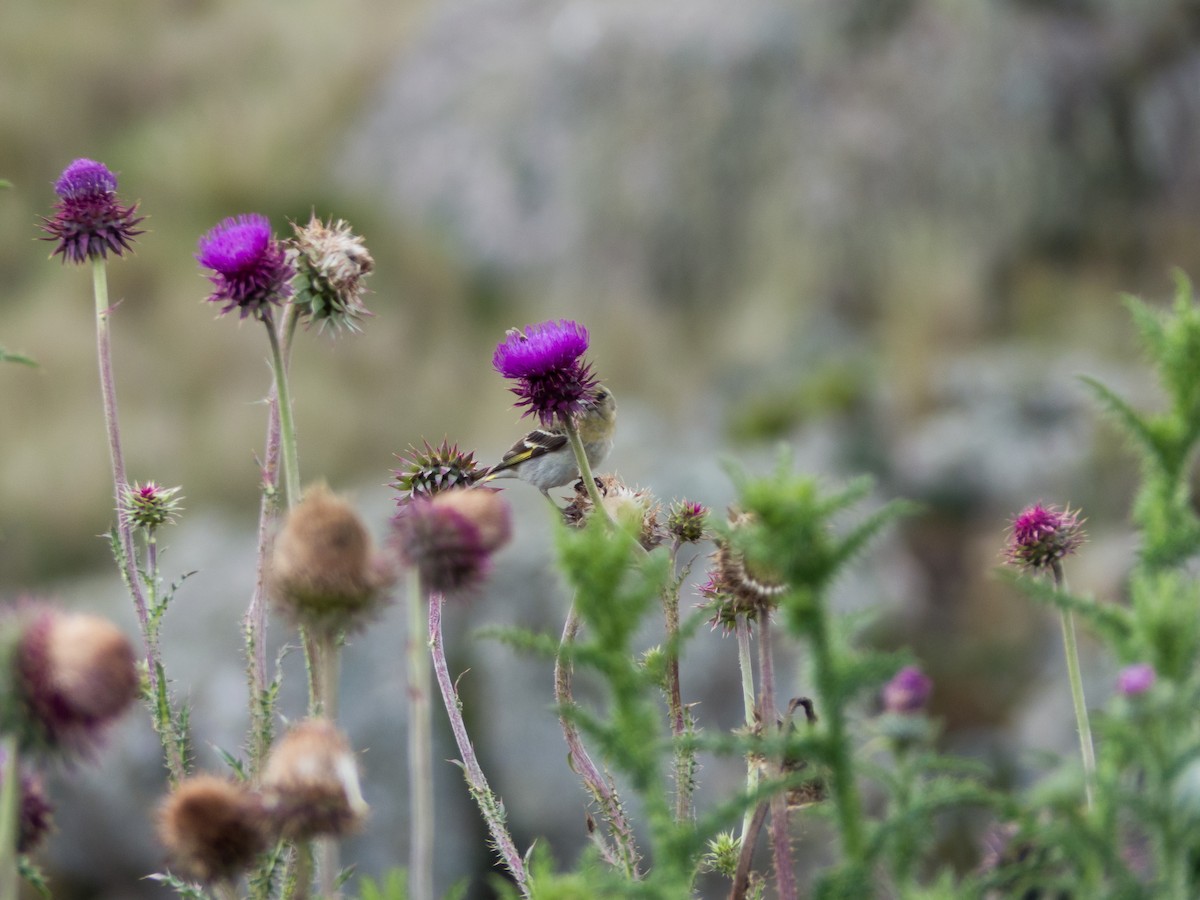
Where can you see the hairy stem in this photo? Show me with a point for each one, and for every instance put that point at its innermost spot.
(162, 713)
(601, 788)
(254, 625)
(420, 748)
(781, 844)
(685, 760)
(489, 805)
(749, 705)
(287, 426)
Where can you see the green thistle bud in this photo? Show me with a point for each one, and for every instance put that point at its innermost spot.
(686, 520)
(432, 470)
(149, 507)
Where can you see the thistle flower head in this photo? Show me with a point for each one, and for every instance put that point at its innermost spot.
(908, 691)
(1136, 679)
(250, 268)
(686, 520)
(734, 587)
(324, 573)
(88, 222)
(450, 537)
(70, 676)
(332, 263)
(425, 472)
(149, 506)
(635, 509)
(212, 828)
(1042, 535)
(310, 784)
(545, 361)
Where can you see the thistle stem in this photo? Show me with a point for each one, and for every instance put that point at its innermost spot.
(254, 624)
(585, 468)
(746, 667)
(599, 786)
(684, 759)
(287, 427)
(489, 805)
(1071, 652)
(420, 748)
(163, 717)
(781, 846)
(829, 691)
(10, 805)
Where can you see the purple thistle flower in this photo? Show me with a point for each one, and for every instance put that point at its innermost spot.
(88, 222)
(1042, 535)
(251, 270)
(545, 361)
(907, 692)
(1136, 679)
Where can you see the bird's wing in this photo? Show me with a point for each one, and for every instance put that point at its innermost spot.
(537, 443)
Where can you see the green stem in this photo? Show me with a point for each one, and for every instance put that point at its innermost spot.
(845, 789)
(327, 658)
(781, 848)
(287, 426)
(1087, 749)
(10, 805)
(420, 747)
(585, 468)
(746, 667)
(159, 700)
(685, 760)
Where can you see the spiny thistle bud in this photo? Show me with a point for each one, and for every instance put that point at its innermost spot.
(424, 473)
(735, 588)
(250, 269)
(908, 691)
(723, 853)
(1136, 679)
(71, 675)
(324, 573)
(212, 828)
(35, 815)
(686, 520)
(311, 783)
(149, 506)
(88, 222)
(545, 360)
(450, 537)
(331, 265)
(1042, 535)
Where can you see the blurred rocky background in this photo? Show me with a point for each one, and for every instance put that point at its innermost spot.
(887, 234)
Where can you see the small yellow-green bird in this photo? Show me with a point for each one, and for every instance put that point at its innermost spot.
(544, 458)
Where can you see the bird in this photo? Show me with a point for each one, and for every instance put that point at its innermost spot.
(544, 458)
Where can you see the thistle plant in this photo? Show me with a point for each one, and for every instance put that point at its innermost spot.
(851, 739)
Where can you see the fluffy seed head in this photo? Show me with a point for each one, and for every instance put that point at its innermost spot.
(311, 783)
(1042, 535)
(212, 828)
(545, 361)
(250, 268)
(450, 538)
(634, 509)
(72, 676)
(88, 222)
(426, 472)
(324, 573)
(332, 264)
